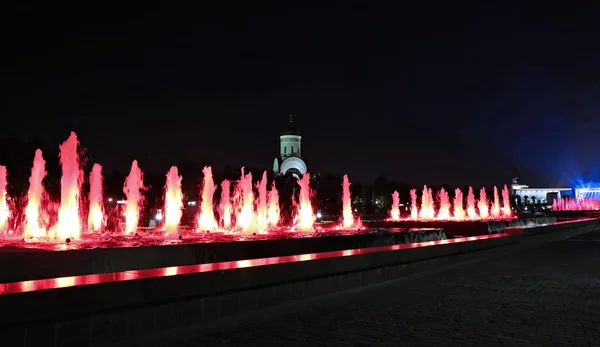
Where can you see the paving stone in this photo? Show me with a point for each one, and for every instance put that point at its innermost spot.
(545, 296)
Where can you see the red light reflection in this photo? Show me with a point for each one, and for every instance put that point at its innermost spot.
(54, 283)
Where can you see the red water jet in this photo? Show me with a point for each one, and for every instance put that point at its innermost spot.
(273, 213)
(134, 184)
(35, 226)
(471, 213)
(395, 211)
(347, 216)
(444, 199)
(414, 210)
(261, 206)
(173, 201)
(459, 211)
(95, 214)
(427, 211)
(506, 211)
(483, 205)
(245, 218)
(496, 204)
(69, 220)
(225, 205)
(305, 216)
(206, 217)
(4, 208)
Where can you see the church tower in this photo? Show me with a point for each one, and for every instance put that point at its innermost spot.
(290, 152)
(290, 142)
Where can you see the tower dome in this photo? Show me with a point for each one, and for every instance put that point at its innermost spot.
(290, 151)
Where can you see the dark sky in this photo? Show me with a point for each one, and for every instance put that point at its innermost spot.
(431, 94)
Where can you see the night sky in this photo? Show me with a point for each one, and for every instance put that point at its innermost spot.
(426, 94)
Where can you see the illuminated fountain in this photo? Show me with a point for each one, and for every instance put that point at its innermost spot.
(225, 208)
(173, 201)
(459, 211)
(262, 206)
(395, 211)
(95, 214)
(69, 220)
(427, 211)
(273, 212)
(4, 209)
(134, 184)
(506, 210)
(245, 219)
(305, 216)
(496, 204)
(444, 211)
(455, 211)
(414, 209)
(206, 217)
(471, 213)
(35, 218)
(580, 204)
(347, 216)
(482, 205)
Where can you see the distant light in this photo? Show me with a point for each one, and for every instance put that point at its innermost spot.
(159, 215)
(319, 215)
(355, 210)
(122, 202)
(191, 203)
(110, 199)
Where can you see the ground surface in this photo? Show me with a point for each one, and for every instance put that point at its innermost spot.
(545, 296)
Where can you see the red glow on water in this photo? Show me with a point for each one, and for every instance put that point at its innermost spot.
(581, 204)
(63, 282)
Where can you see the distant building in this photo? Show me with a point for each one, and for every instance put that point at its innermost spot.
(290, 152)
(541, 195)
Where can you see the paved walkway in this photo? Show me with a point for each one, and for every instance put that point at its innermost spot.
(549, 296)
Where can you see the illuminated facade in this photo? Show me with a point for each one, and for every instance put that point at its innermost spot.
(587, 193)
(539, 194)
(290, 153)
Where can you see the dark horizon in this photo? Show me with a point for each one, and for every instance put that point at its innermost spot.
(422, 95)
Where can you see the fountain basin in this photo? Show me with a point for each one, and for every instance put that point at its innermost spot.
(96, 255)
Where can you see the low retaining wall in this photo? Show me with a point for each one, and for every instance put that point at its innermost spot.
(88, 316)
(38, 264)
(466, 228)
